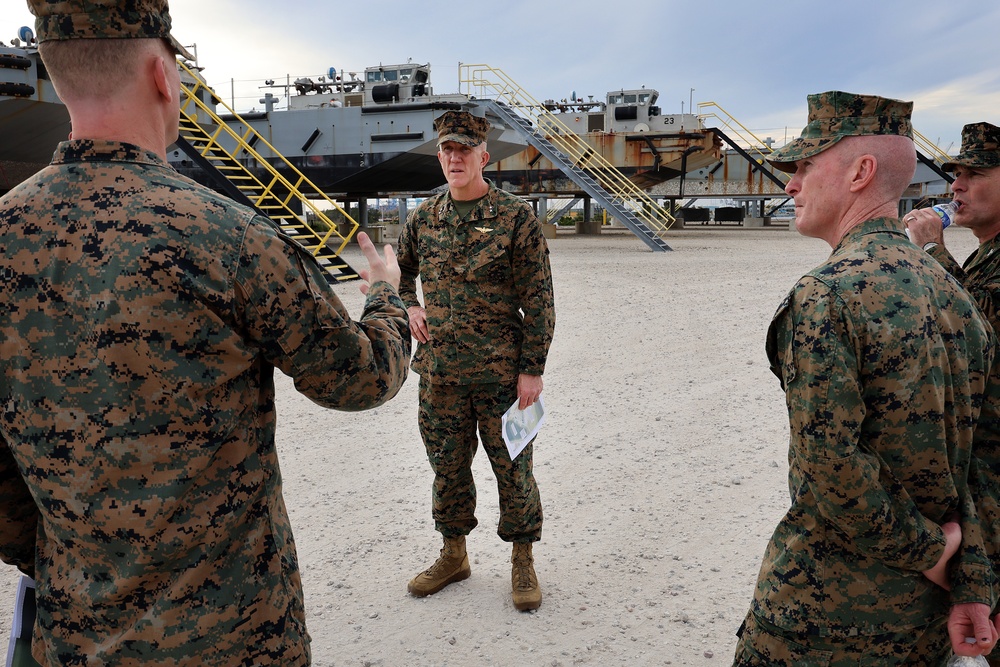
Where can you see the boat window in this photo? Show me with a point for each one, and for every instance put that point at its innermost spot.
(391, 74)
(630, 99)
(403, 73)
(615, 99)
(374, 76)
(643, 98)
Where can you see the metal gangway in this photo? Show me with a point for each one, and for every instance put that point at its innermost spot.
(275, 196)
(624, 200)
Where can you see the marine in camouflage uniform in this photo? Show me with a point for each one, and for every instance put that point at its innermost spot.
(487, 285)
(977, 190)
(142, 321)
(884, 360)
(979, 159)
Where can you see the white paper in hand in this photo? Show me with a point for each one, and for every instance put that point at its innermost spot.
(520, 426)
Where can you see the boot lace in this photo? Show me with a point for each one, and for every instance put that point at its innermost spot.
(524, 574)
(444, 562)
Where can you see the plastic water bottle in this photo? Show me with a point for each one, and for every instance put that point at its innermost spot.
(967, 661)
(946, 212)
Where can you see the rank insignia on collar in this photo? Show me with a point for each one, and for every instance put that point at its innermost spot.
(483, 230)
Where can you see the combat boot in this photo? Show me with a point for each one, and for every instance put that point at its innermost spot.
(524, 584)
(451, 566)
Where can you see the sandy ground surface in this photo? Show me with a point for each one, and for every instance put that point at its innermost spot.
(662, 468)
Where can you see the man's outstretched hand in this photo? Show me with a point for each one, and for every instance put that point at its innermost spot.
(378, 269)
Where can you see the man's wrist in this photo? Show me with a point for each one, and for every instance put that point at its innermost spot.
(930, 245)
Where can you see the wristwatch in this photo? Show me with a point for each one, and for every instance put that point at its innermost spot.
(929, 245)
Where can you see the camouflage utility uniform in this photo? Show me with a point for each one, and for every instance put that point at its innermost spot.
(884, 360)
(478, 275)
(980, 275)
(142, 321)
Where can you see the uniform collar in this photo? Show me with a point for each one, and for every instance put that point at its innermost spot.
(986, 249)
(486, 208)
(85, 150)
(874, 226)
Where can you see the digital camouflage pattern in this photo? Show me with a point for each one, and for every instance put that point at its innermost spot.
(103, 19)
(476, 276)
(461, 127)
(448, 417)
(980, 275)
(834, 115)
(487, 287)
(884, 360)
(980, 147)
(143, 318)
(764, 645)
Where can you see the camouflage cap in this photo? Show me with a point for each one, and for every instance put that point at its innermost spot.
(461, 127)
(980, 147)
(103, 19)
(834, 115)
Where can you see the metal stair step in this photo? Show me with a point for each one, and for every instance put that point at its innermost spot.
(232, 178)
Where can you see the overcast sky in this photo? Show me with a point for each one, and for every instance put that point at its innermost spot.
(756, 59)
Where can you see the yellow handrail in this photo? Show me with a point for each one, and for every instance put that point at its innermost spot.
(931, 148)
(754, 144)
(246, 142)
(479, 79)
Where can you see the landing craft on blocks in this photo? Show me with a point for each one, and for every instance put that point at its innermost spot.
(629, 131)
(347, 134)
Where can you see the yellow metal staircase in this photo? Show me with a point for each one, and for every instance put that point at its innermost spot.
(275, 196)
(759, 151)
(596, 176)
(930, 148)
(931, 155)
(756, 151)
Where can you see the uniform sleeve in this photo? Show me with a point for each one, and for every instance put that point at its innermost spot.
(533, 280)
(984, 469)
(984, 473)
(944, 258)
(19, 515)
(409, 261)
(294, 316)
(973, 570)
(853, 490)
(985, 292)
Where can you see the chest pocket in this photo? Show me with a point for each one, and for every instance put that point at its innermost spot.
(489, 259)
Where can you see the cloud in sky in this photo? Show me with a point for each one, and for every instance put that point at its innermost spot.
(758, 60)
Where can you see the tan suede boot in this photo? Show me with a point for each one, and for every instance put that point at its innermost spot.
(524, 584)
(451, 566)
